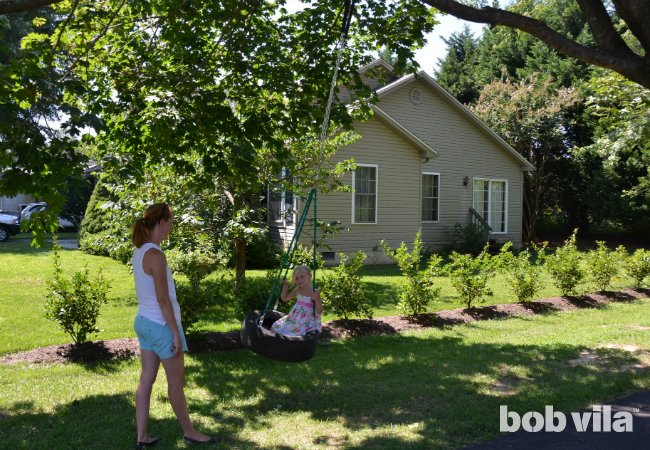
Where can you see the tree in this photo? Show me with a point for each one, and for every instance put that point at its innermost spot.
(223, 93)
(611, 51)
(616, 164)
(531, 115)
(458, 69)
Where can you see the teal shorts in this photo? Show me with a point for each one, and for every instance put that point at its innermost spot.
(156, 337)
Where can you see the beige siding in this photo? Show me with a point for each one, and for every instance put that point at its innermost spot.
(464, 150)
(398, 198)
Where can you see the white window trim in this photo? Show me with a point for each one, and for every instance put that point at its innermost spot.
(437, 206)
(376, 166)
(507, 200)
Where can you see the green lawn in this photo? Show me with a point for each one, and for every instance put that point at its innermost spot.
(439, 388)
(25, 271)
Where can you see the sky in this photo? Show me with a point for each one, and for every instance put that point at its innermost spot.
(435, 49)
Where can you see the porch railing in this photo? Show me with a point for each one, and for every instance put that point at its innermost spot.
(478, 219)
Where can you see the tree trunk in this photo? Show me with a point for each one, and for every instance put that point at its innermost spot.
(240, 262)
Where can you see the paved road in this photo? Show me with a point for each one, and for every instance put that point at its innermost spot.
(639, 438)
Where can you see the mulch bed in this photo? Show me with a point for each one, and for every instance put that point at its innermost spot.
(116, 349)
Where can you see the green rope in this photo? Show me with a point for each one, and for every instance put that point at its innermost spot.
(291, 250)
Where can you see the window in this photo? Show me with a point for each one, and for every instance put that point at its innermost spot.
(280, 205)
(364, 198)
(430, 196)
(490, 200)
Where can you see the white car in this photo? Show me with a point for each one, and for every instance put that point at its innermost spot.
(36, 207)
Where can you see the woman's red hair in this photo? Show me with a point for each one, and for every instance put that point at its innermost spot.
(152, 216)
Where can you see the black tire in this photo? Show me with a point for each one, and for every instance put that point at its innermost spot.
(265, 342)
(4, 233)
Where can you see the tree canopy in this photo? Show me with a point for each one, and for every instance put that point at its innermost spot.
(620, 30)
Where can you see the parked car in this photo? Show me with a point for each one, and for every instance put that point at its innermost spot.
(9, 226)
(40, 206)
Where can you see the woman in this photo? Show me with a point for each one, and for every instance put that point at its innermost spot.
(158, 325)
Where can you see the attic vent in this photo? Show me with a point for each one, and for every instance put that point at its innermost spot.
(415, 95)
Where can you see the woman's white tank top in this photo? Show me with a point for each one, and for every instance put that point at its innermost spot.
(145, 290)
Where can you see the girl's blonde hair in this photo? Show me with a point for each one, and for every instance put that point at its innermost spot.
(301, 268)
(152, 216)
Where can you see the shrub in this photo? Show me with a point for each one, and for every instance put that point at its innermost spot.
(565, 268)
(196, 299)
(637, 266)
(470, 238)
(74, 302)
(521, 274)
(469, 275)
(105, 243)
(254, 294)
(341, 288)
(193, 297)
(196, 265)
(603, 264)
(262, 253)
(304, 255)
(418, 290)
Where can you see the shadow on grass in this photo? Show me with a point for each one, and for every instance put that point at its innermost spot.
(381, 392)
(439, 393)
(23, 247)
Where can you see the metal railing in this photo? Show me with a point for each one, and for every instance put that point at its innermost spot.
(478, 219)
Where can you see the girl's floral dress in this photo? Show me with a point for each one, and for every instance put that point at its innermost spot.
(300, 320)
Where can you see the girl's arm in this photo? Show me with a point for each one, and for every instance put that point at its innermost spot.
(318, 303)
(284, 295)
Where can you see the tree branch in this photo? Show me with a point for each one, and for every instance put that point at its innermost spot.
(14, 6)
(636, 13)
(627, 63)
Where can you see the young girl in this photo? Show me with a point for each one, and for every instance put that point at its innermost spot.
(301, 319)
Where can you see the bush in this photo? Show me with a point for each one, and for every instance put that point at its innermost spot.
(565, 267)
(196, 299)
(469, 275)
(521, 274)
(254, 294)
(418, 290)
(262, 253)
(470, 238)
(74, 302)
(95, 218)
(603, 264)
(196, 265)
(304, 255)
(341, 288)
(637, 266)
(105, 243)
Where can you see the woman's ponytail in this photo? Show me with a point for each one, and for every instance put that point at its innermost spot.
(140, 232)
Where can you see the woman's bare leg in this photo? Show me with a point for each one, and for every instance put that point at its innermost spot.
(175, 371)
(150, 363)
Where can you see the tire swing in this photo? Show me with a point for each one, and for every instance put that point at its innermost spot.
(256, 333)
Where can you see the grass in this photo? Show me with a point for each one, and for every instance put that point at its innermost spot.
(25, 271)
(431, 389)
(439, 388)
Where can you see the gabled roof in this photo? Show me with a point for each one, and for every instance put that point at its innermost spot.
(431, 83)
(425, 149)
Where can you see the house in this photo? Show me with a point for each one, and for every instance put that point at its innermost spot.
(15, 204)
(426, 163)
